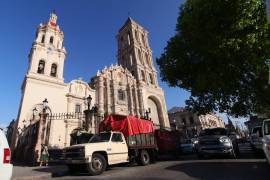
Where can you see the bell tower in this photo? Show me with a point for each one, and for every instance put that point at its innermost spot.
(47, 55)
(44, 77)
(134, 52)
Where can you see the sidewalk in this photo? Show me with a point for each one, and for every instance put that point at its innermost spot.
(45, 172)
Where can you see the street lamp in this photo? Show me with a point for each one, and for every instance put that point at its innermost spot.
(45, 104)
(175, 124)
(88, 101)
(89, 112)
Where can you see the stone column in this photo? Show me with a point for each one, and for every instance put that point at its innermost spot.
(88, 119)
(141, 102)
(115, 87)
(136, 101)
(108, 96)
(130, 99)
(101, 95)
(66, 133)
(41, 135)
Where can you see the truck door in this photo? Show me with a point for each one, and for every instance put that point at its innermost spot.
(119, 149)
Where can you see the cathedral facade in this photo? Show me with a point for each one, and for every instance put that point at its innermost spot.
(129, 87)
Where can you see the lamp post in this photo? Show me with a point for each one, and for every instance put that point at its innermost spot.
(175, 125)
(89, 112)
(44, 117)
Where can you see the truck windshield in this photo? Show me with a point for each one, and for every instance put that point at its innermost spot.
(102, 137)
(267, 128)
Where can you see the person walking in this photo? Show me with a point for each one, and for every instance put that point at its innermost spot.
(44, 155)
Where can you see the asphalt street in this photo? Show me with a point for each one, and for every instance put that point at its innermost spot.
(247, 166)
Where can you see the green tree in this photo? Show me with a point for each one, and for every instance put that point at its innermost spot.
(218, 54)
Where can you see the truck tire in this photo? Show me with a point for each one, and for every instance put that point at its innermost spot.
(97, 165)
(144, 158)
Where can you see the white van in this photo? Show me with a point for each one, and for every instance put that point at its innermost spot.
(5, 166)
(266, 139)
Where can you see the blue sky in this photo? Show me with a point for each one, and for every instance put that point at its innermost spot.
(90, 28)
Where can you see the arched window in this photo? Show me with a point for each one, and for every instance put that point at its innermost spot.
(121, 95)
(43, 39)
(54, 70)
(51, 40)
(41, 67)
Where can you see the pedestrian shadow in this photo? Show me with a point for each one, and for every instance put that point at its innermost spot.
(224, 170)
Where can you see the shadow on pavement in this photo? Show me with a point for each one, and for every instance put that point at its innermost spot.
(55, 171)
(224, 170)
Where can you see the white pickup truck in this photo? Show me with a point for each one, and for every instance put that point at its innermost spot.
(110, 148)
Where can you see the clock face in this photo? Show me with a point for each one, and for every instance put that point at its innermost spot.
(49, 50)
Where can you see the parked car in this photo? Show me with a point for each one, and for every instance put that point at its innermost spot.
(266, 139)
(256, 138)
(5, 165)
(216, 141)
(186, 146)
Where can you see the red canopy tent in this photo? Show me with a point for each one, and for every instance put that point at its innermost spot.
(128, 125)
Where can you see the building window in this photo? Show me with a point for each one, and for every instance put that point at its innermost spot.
(43, 39)
(53, 70)
(121, 95)
(51, 40)
(41, 67)
(77, 108)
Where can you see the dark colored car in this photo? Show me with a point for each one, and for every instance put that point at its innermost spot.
(217, 141)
